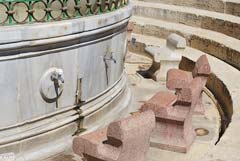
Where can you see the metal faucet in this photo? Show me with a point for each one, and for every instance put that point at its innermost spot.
(109, 58)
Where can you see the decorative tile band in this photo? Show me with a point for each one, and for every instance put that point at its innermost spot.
(30, 11)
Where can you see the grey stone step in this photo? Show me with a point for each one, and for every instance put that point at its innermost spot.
(231, 7)
(216, 44)
(219, 22)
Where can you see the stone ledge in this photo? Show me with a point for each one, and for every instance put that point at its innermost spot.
(27, 32)
(231, 7)
(222, 23)
(213, 43)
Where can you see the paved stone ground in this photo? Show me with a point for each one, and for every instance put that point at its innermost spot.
(142, 90)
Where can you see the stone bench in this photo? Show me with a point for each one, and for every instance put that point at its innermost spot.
(173, 111)
(167, 57)
(178, 79)
(124, 140)
(174, 131)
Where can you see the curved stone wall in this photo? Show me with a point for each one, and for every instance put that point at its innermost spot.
(226, 24)
(224, 49)
(211, 32)
(60, 78)
(223, 6)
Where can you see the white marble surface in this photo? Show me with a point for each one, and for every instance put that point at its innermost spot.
(28, 124)
(19, 33)
(168, 56)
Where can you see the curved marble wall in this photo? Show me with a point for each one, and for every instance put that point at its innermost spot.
(58, 78)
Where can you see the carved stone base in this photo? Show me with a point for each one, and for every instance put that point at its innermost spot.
(170, 136)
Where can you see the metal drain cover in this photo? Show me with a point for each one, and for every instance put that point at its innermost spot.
(201, 132)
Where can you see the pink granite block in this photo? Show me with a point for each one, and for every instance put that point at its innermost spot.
(160, 103)
(172, 136)
(202, 67)
(173, 113)
(201, 70)
(199, 109)
(178, 79)
(123, 140)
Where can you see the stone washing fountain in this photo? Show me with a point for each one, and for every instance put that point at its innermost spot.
(62, 72)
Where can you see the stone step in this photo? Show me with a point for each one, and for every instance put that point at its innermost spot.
(219, 22)
(231, 7)
(223, 84)
(216, 44)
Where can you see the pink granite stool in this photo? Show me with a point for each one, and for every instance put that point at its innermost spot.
(177, 79)
(124, 140)
(174, 131)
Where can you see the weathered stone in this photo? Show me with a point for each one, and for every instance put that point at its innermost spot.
(124, 140)
(210, 5)
(213, 43)
(191, 17)
(233, 8)
(173, 113)
(177, 42)
(202, 67)
(168, 56)
(178, 79)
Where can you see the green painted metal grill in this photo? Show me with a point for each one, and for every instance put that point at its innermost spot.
(30, 11)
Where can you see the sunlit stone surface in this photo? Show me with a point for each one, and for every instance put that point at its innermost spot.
(53, 74)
